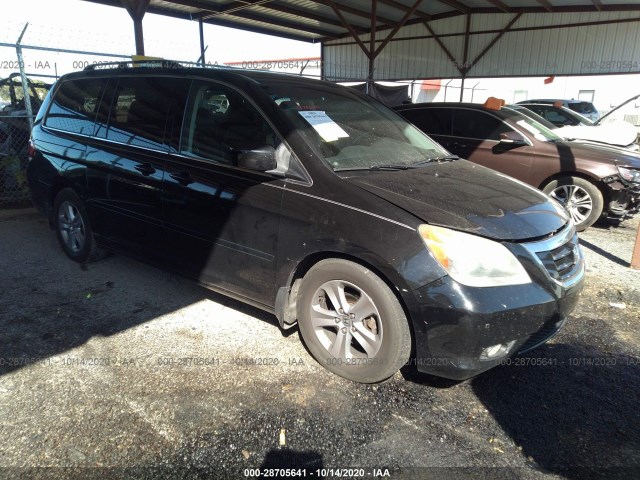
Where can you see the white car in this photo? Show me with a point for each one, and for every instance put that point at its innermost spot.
(615, 128)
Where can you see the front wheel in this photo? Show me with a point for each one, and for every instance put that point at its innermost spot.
(351, 322)
(581, 198)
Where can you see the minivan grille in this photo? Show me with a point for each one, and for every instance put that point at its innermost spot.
(561, 262)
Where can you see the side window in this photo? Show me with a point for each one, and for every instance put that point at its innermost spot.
(542, 111)
(219, 122)
(73, 108)
(139, 111)
(582, 107)
(433, 121)
(477, 124)
(557, 117)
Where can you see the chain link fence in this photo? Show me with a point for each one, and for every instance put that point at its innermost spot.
(14, 140)
(17, 112)
(31, 59)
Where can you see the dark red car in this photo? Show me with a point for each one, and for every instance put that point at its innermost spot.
(591, 181)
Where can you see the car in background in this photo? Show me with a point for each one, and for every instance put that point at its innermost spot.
(586, 109)
(618, 133)
(558, 116)
(590, 180)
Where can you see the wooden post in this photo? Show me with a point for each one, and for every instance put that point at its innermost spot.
(635, 258)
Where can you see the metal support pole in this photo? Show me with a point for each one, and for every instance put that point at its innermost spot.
(139, 35)
(372, 44)
(446, 87)
(635, 258)
(473, 91)
(137, 9)
(465, 55)
(23, 76)
(202, 49)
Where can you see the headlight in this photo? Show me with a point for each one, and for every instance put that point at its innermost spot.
(472, 260)
(629, 175)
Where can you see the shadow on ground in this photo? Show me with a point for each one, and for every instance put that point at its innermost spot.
(577, 417)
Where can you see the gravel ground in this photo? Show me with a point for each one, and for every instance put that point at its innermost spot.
(121, 370)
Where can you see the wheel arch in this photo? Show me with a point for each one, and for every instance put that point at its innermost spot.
(60, 184)
(287, 296)
(598, 183)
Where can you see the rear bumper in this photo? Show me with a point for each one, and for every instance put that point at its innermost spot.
(457, 325)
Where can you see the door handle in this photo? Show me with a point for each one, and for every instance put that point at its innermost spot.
(145, 169)
(183, 178)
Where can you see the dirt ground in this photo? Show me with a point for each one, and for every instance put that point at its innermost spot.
(121, 370)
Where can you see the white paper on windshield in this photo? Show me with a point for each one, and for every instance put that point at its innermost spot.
(329, 130)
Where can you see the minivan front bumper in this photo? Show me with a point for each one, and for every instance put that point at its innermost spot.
(460, 326)
(461, 331)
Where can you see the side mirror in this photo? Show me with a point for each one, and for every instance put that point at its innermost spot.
(259, 159)
(512, 139)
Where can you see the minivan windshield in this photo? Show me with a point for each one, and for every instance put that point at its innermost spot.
(351, 130)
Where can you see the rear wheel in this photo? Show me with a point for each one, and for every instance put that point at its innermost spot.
(352, 323)
(582, 199)
(73, 230)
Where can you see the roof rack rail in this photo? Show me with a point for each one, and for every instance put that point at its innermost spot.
(174, 64)
(150, 62)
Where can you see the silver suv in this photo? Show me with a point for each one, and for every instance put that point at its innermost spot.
(586, 109)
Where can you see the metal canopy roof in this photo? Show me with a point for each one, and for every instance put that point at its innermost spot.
(322, 20)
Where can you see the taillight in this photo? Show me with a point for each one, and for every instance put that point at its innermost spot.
(31, 150)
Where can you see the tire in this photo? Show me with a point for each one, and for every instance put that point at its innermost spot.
(582, 199)
(73, 229)
(371, 340)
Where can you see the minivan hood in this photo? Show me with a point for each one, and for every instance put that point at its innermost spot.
(468, 197)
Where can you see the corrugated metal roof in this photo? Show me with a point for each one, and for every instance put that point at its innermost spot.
(580, 43)
(316, 20)
(438, 38)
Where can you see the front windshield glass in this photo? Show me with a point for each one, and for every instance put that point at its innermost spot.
(351, 130)
(535, 128)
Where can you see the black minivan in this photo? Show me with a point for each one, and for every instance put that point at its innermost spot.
(313, 202)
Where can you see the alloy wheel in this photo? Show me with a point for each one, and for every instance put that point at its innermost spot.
(576, 200)
(71, 226)
(346, 321)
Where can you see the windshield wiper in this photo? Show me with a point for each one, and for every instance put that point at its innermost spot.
(444, 158)
(400, 166)
(391, 166)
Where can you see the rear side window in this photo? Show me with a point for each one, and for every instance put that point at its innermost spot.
(582, 107)
(139, 112)
(433, 121)
(537, 109)
(73, 108)
(559, 118)
(477, 124)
